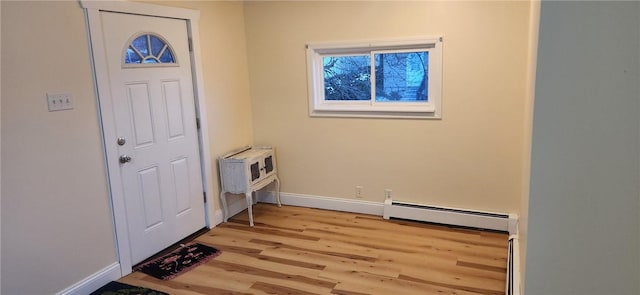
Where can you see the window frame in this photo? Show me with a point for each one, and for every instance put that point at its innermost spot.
(135, 36)
(319, 107)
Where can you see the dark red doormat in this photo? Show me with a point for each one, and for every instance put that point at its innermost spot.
(179, 261)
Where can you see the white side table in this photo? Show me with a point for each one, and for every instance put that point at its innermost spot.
(246, 171)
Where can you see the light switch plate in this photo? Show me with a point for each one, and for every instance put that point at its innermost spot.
(59, 101)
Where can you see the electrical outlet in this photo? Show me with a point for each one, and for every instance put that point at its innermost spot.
(358, 192)
(387, 193)
(59, 101)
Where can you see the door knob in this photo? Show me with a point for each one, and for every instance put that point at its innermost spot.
(121, 141)
(124, 159)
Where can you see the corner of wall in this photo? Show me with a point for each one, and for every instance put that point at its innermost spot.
(534, 24)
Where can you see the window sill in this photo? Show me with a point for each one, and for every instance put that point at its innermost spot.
(376, 114)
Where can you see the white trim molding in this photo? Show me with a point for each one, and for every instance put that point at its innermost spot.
(218, 218)
(141, 8)
(375, 106)
(513, 224)
(514, 275)
(327, 203)
(94, 281)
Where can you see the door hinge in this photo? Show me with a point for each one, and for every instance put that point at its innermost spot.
(204, 196)
(190, 45)
(198, 123)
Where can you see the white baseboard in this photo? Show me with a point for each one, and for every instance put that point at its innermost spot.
(514, 283)
(217, 218)
(94, 281)
(513, 224)
(328, 203)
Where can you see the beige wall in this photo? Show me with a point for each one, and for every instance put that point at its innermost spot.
(472, 158)
(56, 222)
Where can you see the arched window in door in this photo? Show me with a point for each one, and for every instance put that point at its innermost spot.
(148, 49)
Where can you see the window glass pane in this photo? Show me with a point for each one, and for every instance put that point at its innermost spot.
(347, 77)
(140, 43)
(402, 76)
(132, 57)
(166, 57)
(156, 45)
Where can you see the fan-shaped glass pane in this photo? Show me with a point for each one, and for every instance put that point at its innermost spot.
(156, 45)
(140, 43)
(132, 57)
(166, 57)
(149, 49)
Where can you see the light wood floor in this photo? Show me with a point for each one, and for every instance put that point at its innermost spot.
(293, 250)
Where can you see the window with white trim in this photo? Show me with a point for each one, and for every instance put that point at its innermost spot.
(400, 79)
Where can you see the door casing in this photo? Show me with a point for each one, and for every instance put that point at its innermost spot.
(106, 114)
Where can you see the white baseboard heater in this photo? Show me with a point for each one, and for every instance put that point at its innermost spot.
(450, 216)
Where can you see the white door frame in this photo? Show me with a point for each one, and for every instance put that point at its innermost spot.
(106, 113)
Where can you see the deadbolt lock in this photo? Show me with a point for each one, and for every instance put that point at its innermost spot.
(124, 159)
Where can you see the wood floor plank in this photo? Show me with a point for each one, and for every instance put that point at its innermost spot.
(411, 263)
(259, 274)
(497, 269)
(294, 250)
(459, 278)
(376, 284)
(276, 289)
(197, 283)
(271, 232)
(272, 263)
(335, 261)
(472, 289)
(205, 274)
(256, 253)
(262, 238)
(399, 242)
(500, 262)
(321, 248)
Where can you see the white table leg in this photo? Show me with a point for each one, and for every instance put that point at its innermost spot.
(249, 205)
(278, 192)
(225, 210)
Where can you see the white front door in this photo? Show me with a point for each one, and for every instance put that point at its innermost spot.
(149, 73)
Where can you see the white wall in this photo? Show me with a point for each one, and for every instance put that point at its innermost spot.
(583, 235)
(472, 158)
